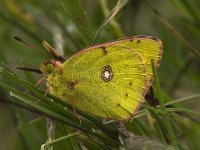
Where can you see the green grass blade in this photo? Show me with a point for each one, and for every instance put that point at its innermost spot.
(120, 4)
(166, 117)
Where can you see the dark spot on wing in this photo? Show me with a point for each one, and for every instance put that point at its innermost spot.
(71, 84)
(138, 41)
(118, 105)
(131, 40)
(153, 38)
(130, 83)
(126, 94)
(104, 50)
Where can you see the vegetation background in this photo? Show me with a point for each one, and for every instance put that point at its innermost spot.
(71, 25)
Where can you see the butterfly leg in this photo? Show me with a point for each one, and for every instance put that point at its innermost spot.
(47, 90)
(37, 84)
(74, 109)
(40, 81)
(48, 87)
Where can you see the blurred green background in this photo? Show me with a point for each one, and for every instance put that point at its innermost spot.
(71, 25)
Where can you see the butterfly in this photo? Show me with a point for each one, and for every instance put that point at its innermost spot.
(107, 80)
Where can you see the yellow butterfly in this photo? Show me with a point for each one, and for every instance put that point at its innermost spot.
(107, 80)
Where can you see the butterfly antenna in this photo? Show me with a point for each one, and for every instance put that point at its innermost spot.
(53, 51)
(30, 70)
(29, 45)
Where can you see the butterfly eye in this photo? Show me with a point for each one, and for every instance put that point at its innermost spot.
(49, 68)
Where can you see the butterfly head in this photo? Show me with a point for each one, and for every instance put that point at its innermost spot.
(48, 67)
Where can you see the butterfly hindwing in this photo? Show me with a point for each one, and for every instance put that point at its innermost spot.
(110, 80)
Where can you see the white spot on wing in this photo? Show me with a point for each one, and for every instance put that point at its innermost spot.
(107, 73)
